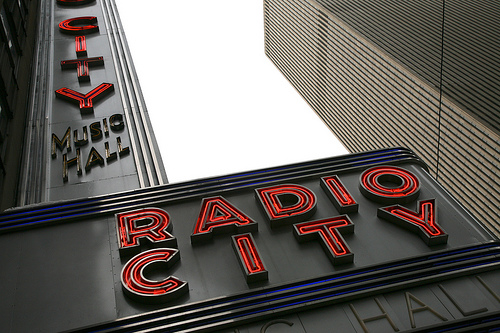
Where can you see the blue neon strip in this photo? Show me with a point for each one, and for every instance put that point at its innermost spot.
(349, 283)
(385, 267)
(458, 260)
(207, 308)
(469, 324)
(300, 165)
(274, 299)
(308, 300)
(335, 294)
(485, 246)
(266, 299)
(64, 211)
(58, 207)
(48, 220)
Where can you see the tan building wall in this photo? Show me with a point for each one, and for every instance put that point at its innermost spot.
(363, 88)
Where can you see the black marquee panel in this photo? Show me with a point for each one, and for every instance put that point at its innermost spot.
(354, 242)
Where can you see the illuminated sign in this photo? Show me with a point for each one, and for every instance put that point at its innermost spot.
(137, 285)
(85, 155)
(283, 204)
(249, 258)
(152, 224)
(360, 242)
(217, 214)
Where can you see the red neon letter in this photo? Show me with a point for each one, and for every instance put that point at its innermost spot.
(86, 101)
(80, 46)
(338, 195)
(152, 224)
(285, 204)
(217, 214)
(82, 66)
(70, 26)
(388, 184)
(249, 258)
(423, 222)
(137, 286)
(328, 230)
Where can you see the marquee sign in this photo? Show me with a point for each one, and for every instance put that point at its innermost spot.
(363, 242)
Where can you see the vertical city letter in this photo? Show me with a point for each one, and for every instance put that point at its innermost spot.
(423, 222)
(137, 286)
(152, 224)
(329, 232)
(76, 25)
(286, 204)
(81, 46)
(85, 101)
(218, 215)
(82, 66)
(389, 184)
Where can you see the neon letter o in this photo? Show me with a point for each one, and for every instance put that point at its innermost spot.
(389, 184)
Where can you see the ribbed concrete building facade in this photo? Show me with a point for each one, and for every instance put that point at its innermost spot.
(424, 75)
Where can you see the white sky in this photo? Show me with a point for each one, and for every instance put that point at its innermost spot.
(217, 103)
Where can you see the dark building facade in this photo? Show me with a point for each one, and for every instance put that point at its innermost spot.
(418, 74)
